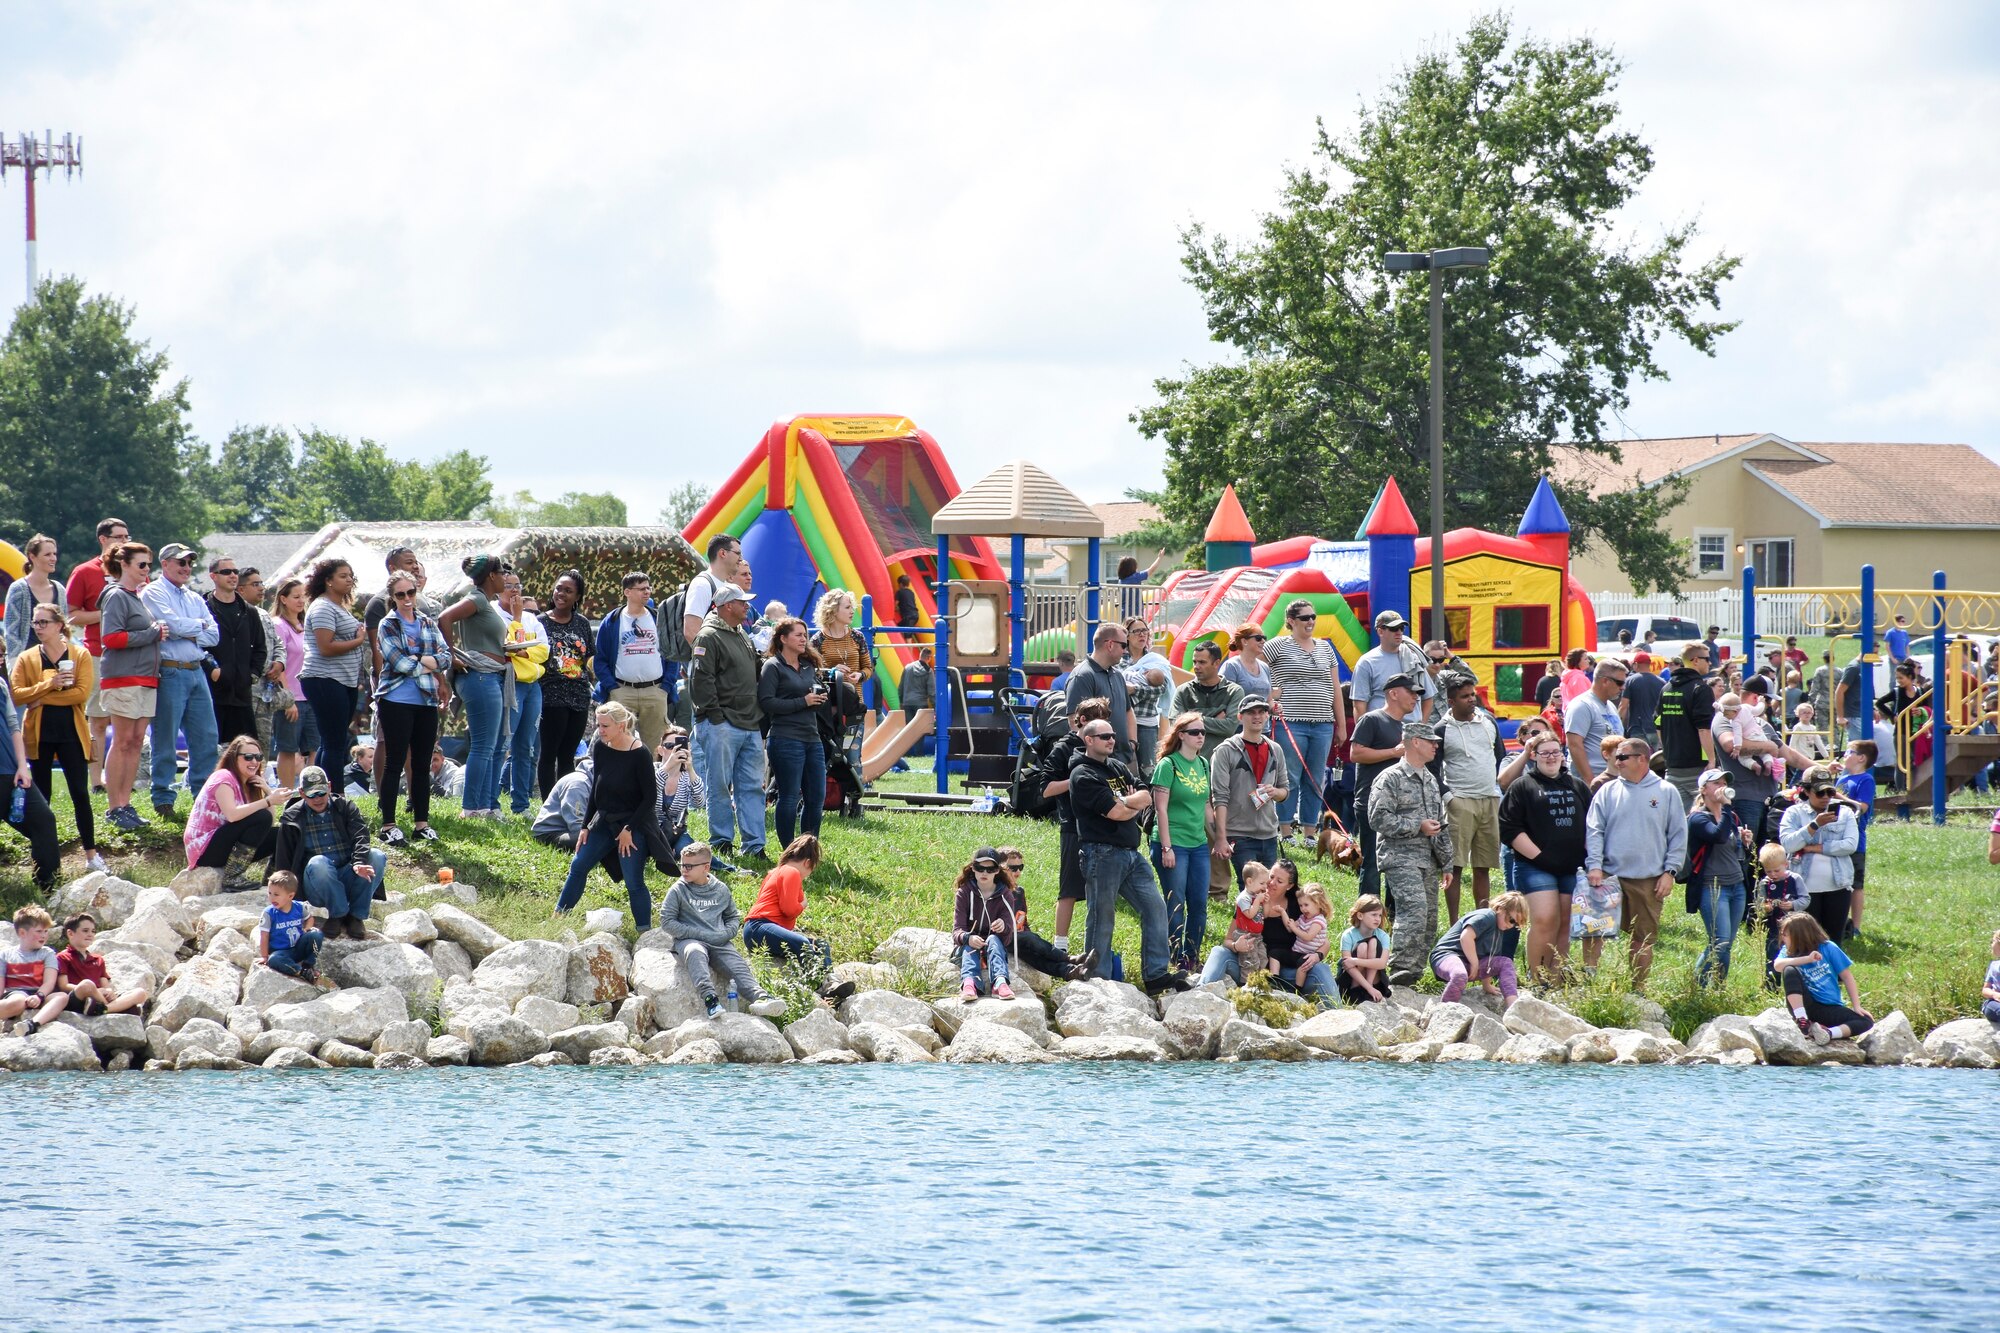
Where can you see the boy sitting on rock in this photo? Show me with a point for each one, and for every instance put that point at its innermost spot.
(81, 975)
(701, 916)
(284, 941)
(28, 982)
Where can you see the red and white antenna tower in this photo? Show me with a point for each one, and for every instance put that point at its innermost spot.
(33, 155)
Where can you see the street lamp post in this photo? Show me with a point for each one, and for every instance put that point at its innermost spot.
(1435, 262)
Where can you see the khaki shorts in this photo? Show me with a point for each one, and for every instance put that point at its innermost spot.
(133, 702)
(1475, 831)
(94, 706)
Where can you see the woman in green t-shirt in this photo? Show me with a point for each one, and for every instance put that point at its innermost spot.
(1180, 799)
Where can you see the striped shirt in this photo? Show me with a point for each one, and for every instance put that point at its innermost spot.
(1304, 674)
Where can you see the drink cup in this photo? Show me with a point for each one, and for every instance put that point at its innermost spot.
(67, 670)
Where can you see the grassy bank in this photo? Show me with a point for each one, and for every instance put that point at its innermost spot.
(1933, 902)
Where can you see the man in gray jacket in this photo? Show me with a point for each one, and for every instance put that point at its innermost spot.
(701, 915)
(1636, 833)
(722, 682)
(1246, 784)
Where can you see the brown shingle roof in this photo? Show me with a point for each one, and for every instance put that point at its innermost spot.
(1904, 485)
(1641, 461)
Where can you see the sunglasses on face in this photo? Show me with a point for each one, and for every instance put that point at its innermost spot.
(1097, 735)
(1439, 661)
(251, 758)
(225, 573)
(1627, 758)
(404, 595)
(1016, 867)
(1306, 615)
(142, 564)
(985, 869)
(1258, 637)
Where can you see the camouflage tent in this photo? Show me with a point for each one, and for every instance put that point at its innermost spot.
(602, 555)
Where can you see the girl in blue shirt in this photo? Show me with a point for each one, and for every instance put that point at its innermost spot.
(1816, 973)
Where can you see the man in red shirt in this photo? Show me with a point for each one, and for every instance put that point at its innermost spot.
(85, 587)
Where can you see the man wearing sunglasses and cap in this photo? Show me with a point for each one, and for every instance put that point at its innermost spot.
(1108, 801)
(184, 704)
(1392, 655)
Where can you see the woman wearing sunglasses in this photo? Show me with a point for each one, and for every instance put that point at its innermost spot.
(407, 699)
(130, 691)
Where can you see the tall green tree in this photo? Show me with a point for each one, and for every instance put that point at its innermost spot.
(1511, 144)
(342, 480)
(571, 509)
(683, 503)
(249, 481)
(90, 425)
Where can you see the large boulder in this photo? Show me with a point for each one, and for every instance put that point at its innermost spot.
(128, 969)
(885, 1045)
(109, 1033)
(1889, 1042)
(1422, 1051)
(400, 967)
(1461, 1052)
(1107, 1049)
(1024, 1014)
(263, 988)
(448, 1050)
(525, 967)
(1486, 1032)
(197, 882)
(400, 1060)
(232, 949)
(151, 929)
(412, 925)
(835, 1058)
(658, 977)
(161, 901)
(245, 1022)
(440, 892)
(1779, 1036)
(616, 1055)
(1634, 1047)
(465, 930)
(886, 1008)
(1532, 1014)
(450, 960)
(636, 1013)
(700, 1051)
(199, 988)
(502, 1039)
(547, 1016)
(924, 1036)
(409, 1037)
(1194, 1021)
(54, 1047)
(356, 1017)
(1341, 1031)
(922, 953)
(1725, 1033)
(209, 1060)
(272, 1040)
(1963, 1042)
(106, 897)
(982, 1041)
(744, 1039)
(293, 1057)
(582, 1042)
(1243, 1040)
(1534, 1048)
(1447, 1022)
(600, 970)
(1591, 1048)
(1390, 1022)
(1116, 992)
(460, 998)
(343, 1056)
(201, 1034)
(817, 1031)
(864, 975)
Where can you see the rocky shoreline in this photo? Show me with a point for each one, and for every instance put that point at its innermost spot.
(432, 985)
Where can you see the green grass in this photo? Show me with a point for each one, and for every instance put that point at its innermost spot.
(1933, 902)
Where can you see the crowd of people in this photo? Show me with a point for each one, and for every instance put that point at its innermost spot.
(296, 708)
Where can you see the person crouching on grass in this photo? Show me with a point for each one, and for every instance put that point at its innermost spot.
(1470, 949)
(81, 974)
(28, 981)
(285, 942)
(983, 925)
(1816, 972)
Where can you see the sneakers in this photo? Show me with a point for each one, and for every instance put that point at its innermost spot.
(96, 862)
(969, 991)
(722, 867)
(125, 819)
(162, 811)
(837, 992)
(392, 836)
(1002, 991)
(1818, 1035)
(721, 849)
(1082, 965)
(710, 1003)
(1805, 1024)
(425, 834)
(768, 1007)
(1168, 981)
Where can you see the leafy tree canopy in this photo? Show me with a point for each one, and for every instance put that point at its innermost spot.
(573, 509)
(1510, 144)
(683, 503)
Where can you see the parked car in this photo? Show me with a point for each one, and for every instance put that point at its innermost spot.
(1674, 633)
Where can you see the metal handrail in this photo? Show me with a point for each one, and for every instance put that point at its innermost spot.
(1964, 612)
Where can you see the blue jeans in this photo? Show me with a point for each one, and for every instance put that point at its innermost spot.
(1223, 961)
(782, 944)
(602, 845)
(184, 706)
(296, 959)
(735, 759)
(1111, 873)
(1722, 907)
(334, 885)
(1302, 802)
(992, 955)
(1185, 884)
(485, 720)
(799, 766)
(518, 773)
(1264, 851)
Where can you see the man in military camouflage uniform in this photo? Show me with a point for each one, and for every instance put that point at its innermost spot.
(1413, 847)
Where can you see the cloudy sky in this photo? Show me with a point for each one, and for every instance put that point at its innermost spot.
(606, 245)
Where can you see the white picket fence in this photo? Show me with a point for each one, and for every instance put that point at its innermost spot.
(1777, 613)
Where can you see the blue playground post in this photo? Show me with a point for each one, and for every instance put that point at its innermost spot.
(1017, 600)
(868, 638)
(1940, 697)
(1094, 571)
(1750, 626)
(1868, 659)
(940, 679)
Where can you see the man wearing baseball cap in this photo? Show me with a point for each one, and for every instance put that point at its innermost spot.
(722, 682)
(1246, 785)
(323, 839)
(1413, 847)
(1377, 745)
(184, 704)
(1393, 654)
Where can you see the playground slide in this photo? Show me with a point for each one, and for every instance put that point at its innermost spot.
(898, 744)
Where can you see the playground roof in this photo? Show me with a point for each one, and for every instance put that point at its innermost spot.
(1017, 498)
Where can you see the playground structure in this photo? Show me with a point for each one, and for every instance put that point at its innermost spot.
(1941, 742)
(13, 565)
(1510, 603)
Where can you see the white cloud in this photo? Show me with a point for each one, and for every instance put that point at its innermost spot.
(607, 245)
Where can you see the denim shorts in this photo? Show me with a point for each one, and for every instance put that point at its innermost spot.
(300, 737)
(1533, 879)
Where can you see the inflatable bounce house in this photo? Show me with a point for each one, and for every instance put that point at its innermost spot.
(1510, 603)
(843, 502)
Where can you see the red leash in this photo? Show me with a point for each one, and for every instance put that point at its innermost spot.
(1320, 786)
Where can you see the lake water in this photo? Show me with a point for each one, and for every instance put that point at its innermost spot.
(1185, 1197)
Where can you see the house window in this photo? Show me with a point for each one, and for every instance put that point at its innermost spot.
(1771, 557)
(1711, 553)
(1520, 627)
(1459, 618)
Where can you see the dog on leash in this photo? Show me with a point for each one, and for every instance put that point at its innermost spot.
(1335, 844)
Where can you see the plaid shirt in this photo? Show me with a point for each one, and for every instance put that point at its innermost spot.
(322, 835)
(402, 648)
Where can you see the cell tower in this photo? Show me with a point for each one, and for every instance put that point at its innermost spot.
(33, 155)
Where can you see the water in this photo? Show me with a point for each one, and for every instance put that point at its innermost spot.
(1186, 1197)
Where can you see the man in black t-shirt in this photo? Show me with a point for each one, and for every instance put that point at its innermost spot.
(1687, 714)
(1377, 743)
(1108, 802)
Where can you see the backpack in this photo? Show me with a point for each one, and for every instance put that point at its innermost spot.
(674, 645)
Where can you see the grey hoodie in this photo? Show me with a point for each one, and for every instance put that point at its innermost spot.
(1635, 830)
(705, 913)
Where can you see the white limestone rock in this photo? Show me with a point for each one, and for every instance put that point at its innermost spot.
(1962, 1042)
(636, 1013)
(921, 952)
(197, 882)
(582, 1043)
(835, 1058)
(700, 1051)
(1243, 1040)
(1022, 1013)
(1391, 1023)
(400, 967)
(924, 1036)
(982, 1041)
(343, 1056)
(412, 925)
(209, 1060)
(745, 1040)
(659, 978)
(409, 1037)
(400, 1060)
(224, 921)
(1486, 1032)
(865, 976)
(109, 1033)
(263, 988)
(245, 1022)
(437, 894)
(356, 1017)
(199, 988)
(817, 1031)
(1634, 1047)
(525, 967)
(547, 1016)
(1461, 1052)
(615, 1055)
(162, 901)
(600, 968)
(467, 931)
(1779, 1036)
(502, 1039)
(1194, 1021)
(1591, 1048)
(272, 1040)
(1344, 1032)
(450, 960)
(151, 929)
(447, 1050)
(1447, 1023)
(885, 1045)
(1135, 1049)
(1725, 1033)
(1890, 1042)
(127, 969)
(106, 897)
(886, 1008)
(1422, 1051)
(55, 1047)
(1533, 1048)
(202, 1034)
(1532, 1014)
(293, 1057)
